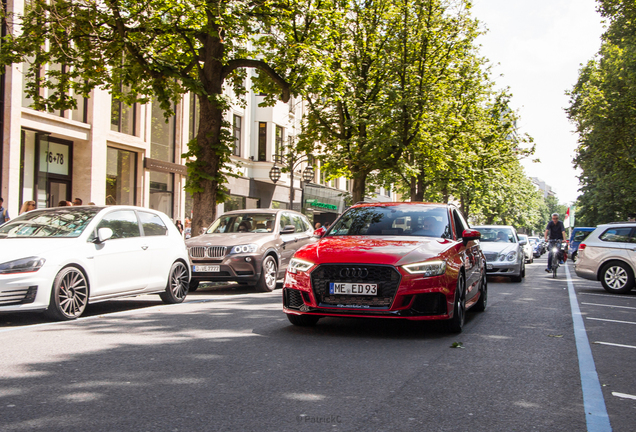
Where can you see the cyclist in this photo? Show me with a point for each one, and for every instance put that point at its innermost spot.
(554, 231)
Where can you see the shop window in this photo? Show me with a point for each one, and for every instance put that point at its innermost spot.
(279, 205)
(262, 141)
(162, 135)
(121, 177)
(234, 202)
(123, 117)
(162, 192)
(236, 132)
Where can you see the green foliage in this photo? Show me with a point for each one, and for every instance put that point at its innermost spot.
(602, 108)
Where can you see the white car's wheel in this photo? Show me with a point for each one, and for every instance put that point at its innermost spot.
(69, 295)
(177, 286)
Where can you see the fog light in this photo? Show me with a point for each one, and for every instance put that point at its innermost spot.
(30, 295)
(248, 259)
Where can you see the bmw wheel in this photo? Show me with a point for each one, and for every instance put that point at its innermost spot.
(69, 295)
(178, 284)
(267, 281)
(617, 277)
(456, 323)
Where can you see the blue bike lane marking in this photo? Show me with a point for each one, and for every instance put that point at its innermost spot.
(593, 401)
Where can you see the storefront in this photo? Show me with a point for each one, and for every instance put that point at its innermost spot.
(323, 204)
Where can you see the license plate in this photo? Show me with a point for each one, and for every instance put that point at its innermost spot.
(488, 266)
(206, 268)
(353, 288)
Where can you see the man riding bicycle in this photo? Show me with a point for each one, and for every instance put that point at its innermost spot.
(554, 231)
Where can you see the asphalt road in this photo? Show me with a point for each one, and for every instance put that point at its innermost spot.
(228, 360)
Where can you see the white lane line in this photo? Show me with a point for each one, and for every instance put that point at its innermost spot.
(612, 306)
(609, 320)
(615, 344)
(623, 395)
(593, 401)
(616, 296)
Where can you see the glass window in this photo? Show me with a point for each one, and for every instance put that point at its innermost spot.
(262, 141)
(161, 191)
(123, 223)
(162, 135)
(194, 115)
(121, 176)
(618, 235)
(579, 236)
(152, 224)
(497, 234)
(243, 222)
(285, 219)
(27, 166)
(236, 126)
(297, 221)
(234, 202)
(123, 116)
(280, 136)
(59, 222)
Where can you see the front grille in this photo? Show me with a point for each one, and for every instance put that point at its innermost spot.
(387, 278)
(491, 256)
(207, 251)
(18, 296)
(293, 298)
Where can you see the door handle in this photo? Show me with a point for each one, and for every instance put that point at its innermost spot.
(144, 247)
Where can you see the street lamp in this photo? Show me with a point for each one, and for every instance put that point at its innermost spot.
(292, 162)
(274, 173)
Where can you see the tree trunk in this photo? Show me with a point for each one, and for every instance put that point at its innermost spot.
(359, 187)
(417, 188)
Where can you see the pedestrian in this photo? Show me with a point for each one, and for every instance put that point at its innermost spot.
(4, 214)
(188, 228)
(318, 225)
(62, 203)
(91, 203)
(28, 206)
(631, 217)
(77, 202)
(179, 226)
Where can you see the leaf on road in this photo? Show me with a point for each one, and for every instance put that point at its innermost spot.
(457, 345)
(555, 335)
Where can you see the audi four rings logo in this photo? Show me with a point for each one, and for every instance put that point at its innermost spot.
(354, 272)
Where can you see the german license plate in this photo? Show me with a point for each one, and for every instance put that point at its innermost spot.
(353, 288)
(488, 266)
(207, 268)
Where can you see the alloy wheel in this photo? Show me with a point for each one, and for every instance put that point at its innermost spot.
(72, 293)
(179, 281)
(269, 268)
(616, 277)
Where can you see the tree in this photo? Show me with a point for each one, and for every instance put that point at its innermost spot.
(163, 49)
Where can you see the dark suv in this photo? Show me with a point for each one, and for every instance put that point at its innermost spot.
(251, 247)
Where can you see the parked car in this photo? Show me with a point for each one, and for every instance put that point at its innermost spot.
(578, 235)
(60, 259)
(503, 251)
(527, 248)
(411, 261)
(537, 246)
(251, 247)
(608, 255)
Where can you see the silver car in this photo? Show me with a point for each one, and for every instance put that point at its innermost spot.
(608, 255)
(503, 251)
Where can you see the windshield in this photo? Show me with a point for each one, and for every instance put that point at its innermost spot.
(406, 220)
(243, 222)
(496, 234)
(59, 222)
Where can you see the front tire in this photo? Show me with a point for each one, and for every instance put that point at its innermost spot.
(482, 303)
(617, 278)
(456, 323)
(267, 281)
(177, 285)
(69, 295)
(303, 320)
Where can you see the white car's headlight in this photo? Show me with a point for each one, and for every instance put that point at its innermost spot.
(297, 265)
(248, 248)
(512, 256)
(23, 265)
(427, 268)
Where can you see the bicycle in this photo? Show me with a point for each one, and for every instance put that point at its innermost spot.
(555, 249)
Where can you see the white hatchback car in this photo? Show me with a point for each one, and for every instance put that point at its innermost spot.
(60, 259)
(608, 255)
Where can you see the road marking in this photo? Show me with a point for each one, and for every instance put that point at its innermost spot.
(609, 320)
(610, 295)
(612, 306)
(623, 395)
(593, 402)
(615, 344)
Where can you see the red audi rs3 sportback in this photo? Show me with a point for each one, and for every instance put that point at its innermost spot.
(414, 261)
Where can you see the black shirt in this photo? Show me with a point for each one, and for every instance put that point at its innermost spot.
(556, 230)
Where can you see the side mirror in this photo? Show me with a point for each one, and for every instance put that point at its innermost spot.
(104, 234)
(523, 242)
(289, 229)
(470, 235)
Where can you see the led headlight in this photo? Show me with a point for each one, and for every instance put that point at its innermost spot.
(296, 265)
(512, 256)
(23, 265)
(427, 268)
(248, 248)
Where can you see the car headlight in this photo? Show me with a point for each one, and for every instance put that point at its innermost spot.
(512, 256)
(297, 265)
(248, 248)
(23, 265)
(426, 268)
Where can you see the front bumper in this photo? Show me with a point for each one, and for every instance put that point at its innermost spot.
(27, 291)
(499, 268)
(232, 268)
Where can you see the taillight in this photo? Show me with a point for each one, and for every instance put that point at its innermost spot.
(582, 246)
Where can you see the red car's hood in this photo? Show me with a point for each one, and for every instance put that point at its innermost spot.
(374, 250)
